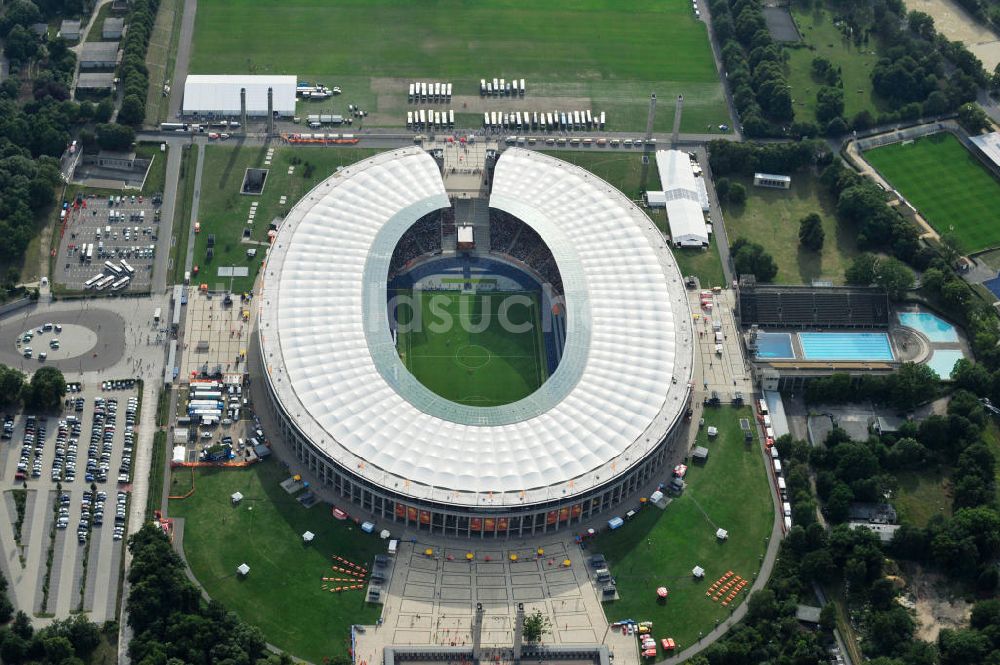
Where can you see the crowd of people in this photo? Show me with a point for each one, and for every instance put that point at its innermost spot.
(424, 237)
(514, 238)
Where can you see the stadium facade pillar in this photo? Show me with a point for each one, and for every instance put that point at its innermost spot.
(270, 111)
(678, 109)
(243, 110)
(651, 116)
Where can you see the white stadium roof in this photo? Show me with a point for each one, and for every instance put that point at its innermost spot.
(620, 387)
(685, 201)
(220, 94)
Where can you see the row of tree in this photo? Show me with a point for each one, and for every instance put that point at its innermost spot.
(43, 393)
(754, 66)
(133, 72)
(912, 384)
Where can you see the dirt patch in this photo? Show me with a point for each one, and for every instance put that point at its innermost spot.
(934, 603)
(956, 24)
(392, 84)
(477, 104)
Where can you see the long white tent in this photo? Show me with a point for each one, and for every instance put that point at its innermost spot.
(211, 94)
(683, 199)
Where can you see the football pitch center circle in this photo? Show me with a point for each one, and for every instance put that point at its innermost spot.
(473, 360)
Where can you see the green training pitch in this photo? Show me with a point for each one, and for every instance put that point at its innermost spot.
(947, 184)
(460, 346)
(600, 54)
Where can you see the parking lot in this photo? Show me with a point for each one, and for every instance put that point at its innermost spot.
(126, 229)
(54, 460)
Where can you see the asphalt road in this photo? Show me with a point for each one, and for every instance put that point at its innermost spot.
(161, 264)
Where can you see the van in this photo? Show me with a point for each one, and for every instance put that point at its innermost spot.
(777, 466)
(603, 575)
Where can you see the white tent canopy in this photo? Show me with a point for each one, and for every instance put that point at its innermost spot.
(683, 198)
(220, 94)
(308, 536)
(236, 497)
(698, 572)
(721, 534)
(243, 569)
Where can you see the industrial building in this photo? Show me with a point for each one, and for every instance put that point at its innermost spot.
(113, 28)
(684, 196)
(96, 81)
(99, 55)
(988, 146)
(587, 440)
(70, 30)
(219, 95)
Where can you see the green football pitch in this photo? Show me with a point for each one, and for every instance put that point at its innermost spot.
(604, 55)
(463, 349)
(947, 184)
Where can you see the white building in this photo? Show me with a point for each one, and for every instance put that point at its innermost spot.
(989, 145)
(220, 94)
(682, 198)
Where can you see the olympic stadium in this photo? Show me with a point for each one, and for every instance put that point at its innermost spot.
(473, 342)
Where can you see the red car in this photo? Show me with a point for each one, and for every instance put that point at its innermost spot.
(668, 644)
(649, 653)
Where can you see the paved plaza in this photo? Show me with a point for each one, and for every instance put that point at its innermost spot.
(431, 599)
(215, 334)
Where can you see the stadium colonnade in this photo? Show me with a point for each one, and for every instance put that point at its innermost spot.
(587, 441)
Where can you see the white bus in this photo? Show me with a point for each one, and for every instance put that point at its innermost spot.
(451, 117)
(104, 283)
(121, 283)
(602, 119)
(522, 88)
(448, 93)
(409, 119)
(590, 120)
(113, 269)
(411, 92)
(126, 267)
(92, 282)
(90, 252)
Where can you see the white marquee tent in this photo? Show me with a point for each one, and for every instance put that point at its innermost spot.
(220, 94)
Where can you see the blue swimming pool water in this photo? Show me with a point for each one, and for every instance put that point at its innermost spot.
(845, 346)
(943, 361)
(935, 328)
(774, 345)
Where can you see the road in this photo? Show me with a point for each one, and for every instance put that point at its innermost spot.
(183, 60)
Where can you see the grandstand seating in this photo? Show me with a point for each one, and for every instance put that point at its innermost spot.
(812, 307)
(511, 237)
(424, 237)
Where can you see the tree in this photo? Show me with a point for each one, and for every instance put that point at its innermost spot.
(133, 111)
(737, 194)
(11, 382)
(861, 272)
(115, 137)
(535, 626)
(973, 118)
(46, 390)
(722, 186)
(894, 276)
(910, 385)
(811, 234)
(829, 103)
(104, 110)
(749, 258)
(21, 45)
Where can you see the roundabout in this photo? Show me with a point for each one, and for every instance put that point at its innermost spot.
(92, 339)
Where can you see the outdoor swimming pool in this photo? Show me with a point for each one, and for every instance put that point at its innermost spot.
(943, 361)
(933, 327)
(845, 346)
(774, 345)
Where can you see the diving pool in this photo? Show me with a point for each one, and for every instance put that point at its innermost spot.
(934, 328)
(943, 361)
(774, 345)
(845, 346)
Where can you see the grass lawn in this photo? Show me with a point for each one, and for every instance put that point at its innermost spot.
(964, 198)
(661, 547)
(627, 173)
(95, 30)
(282, 595)
(223, 210)
(598, 54)
(855, 63)
(771, 218)
(921, 496)
(157, 177)
(487, 367)
(182, 213)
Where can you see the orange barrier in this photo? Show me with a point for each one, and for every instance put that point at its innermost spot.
(189, 493)
(200, 465)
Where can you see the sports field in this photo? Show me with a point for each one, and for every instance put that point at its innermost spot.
(470, 348)
(947, 184)
(603, 55)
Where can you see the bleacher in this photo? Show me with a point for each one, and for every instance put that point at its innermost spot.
(812, 307)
